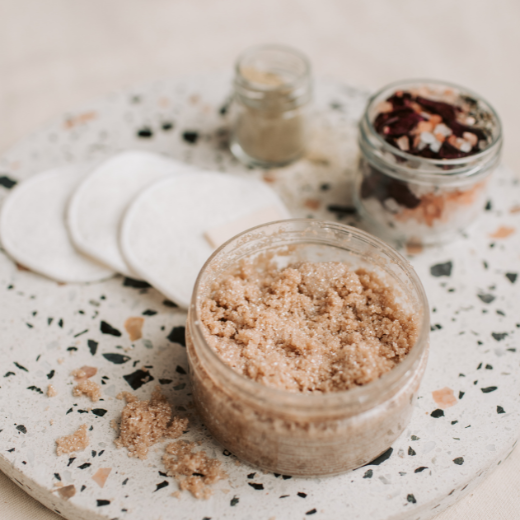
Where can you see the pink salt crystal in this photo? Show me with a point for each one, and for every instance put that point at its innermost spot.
(465, 147)
(441, 128)
(470, 137)
(427, 137)
(459, 143)
(435, 146)
(424, 126)
(384, 107)
(452, 140)
(403, 143)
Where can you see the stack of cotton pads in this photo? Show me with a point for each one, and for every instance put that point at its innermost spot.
(139, 214)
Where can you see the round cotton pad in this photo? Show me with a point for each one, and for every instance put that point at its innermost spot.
(172, 228)
(97, 206)
(33, 230)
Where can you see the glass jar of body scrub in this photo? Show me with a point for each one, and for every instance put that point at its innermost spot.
(428, 149)
(272, 93)
(311, 433)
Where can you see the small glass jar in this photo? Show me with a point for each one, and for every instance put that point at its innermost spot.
(272, 93)
(306, 434)
(412, 199)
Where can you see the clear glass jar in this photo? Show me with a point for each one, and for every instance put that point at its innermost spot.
(408, 198)
(306, 434)
(272, 93)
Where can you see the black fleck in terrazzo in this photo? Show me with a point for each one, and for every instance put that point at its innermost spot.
(426, 469)
(117, 359)
(7, 182)
(136, 284)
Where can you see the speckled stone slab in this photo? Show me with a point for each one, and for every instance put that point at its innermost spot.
(48, 330)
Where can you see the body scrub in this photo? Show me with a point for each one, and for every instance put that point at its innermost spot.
(270, 109)
(312, 327)
(307, 342)
(427, 151)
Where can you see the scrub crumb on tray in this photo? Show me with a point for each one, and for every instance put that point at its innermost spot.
(143, 423)
(78, 441)
(84, 386)
(194, 471)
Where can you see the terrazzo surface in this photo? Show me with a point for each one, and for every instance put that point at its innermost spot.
(466, 419)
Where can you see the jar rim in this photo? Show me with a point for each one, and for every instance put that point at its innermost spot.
(341, 399)
(461, 161)
(239, 77)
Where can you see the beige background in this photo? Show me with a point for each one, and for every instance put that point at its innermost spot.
(54, 54)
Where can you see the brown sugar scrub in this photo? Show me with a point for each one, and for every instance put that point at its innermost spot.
(194, 471)
(88, 389)
(428, 149)
(143, 423)
(84, 386)
(78, 441)
(309, 327)
(308, 363)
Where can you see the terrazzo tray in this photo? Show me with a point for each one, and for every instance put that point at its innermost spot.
(49, 329)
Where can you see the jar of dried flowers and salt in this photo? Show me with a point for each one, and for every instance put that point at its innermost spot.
(428, 149)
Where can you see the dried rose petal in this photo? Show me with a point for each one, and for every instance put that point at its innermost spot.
(374, 185)
(382, 187)
(459, 129)
(445, 110)
(401, 193)
(400, 100)
(387, 118)
(427, 153)
(427, 124)
(450, 152)
(403, 125)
